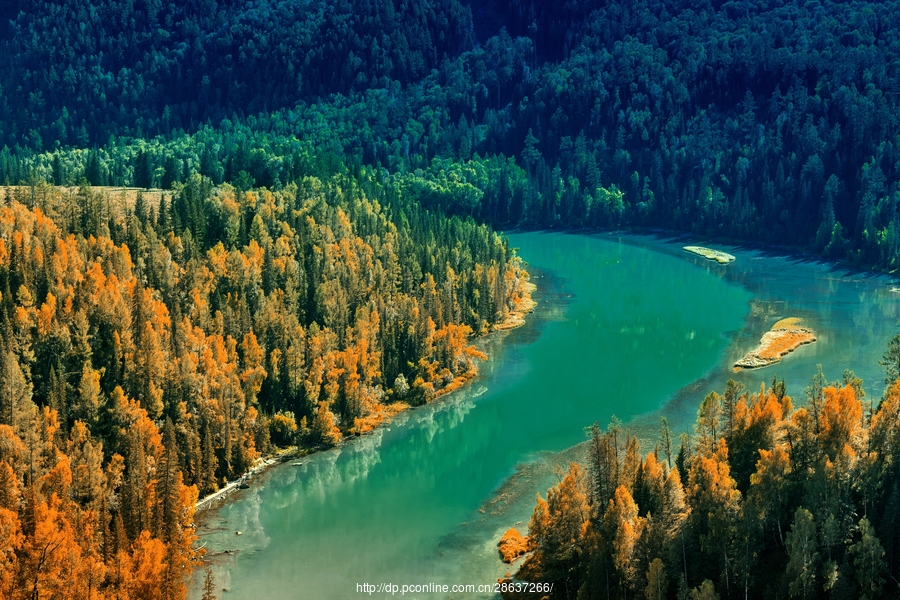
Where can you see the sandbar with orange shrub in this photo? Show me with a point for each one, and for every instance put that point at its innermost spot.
(784, 337)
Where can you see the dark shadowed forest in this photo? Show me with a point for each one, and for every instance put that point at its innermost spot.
(755, 121)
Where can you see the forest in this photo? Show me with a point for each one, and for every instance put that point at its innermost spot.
(772, 122)
(152, 350)
(307, 244)
(765, 500)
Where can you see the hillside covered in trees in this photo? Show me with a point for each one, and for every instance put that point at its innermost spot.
(755, 121)
(765, 500)
(151, 350)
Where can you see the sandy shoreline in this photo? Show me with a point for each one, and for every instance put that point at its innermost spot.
(261, 465)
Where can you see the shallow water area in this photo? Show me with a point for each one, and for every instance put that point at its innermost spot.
(853, 314)
(630, 326)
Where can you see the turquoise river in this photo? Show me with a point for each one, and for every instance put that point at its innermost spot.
(630, 326)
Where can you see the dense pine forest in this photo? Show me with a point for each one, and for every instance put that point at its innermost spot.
(765, 500)
(755, 121)
(306, 246)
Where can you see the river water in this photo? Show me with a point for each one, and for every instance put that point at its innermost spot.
(630, 326)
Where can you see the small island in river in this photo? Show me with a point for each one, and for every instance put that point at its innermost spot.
(784, 337)
(723, 258)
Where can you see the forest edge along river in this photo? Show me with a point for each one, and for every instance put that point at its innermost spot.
(626, 325)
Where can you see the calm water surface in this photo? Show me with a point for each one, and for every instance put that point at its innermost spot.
(631, 326)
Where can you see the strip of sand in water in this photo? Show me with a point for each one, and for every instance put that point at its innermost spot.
(784, 337)
(723, 258)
